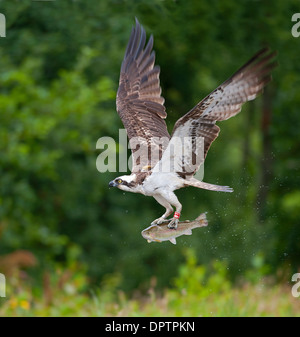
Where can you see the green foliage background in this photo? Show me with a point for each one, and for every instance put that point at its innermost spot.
(59, 70)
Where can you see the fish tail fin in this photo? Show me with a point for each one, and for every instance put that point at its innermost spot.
(202, 219)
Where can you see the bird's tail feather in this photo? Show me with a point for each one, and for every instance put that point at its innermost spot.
(200, 184)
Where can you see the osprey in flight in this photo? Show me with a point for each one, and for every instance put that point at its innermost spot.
(141, 109)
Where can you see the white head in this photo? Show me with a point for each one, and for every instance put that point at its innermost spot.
(126, 183)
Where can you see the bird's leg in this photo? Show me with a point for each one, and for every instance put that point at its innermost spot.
(174, 222)
(169, 198)
(168, 211)
(174, 202)
(162, 219)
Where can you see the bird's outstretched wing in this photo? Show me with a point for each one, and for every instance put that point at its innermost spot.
(224, 102)
(139, 101)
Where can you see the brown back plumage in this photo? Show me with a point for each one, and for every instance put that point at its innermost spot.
(139, 101)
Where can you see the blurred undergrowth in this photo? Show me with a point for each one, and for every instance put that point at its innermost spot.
(197, 290)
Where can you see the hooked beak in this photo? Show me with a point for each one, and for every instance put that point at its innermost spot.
(112, 184)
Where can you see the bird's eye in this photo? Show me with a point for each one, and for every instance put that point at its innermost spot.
(120, 181)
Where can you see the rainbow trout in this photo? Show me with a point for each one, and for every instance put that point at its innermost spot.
(159, 233)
